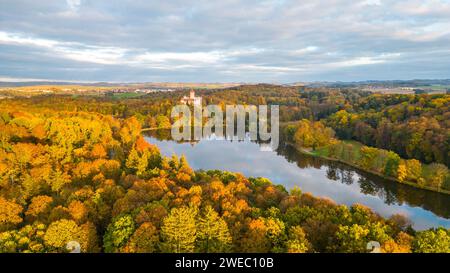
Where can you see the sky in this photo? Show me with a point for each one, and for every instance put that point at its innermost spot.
(278, 41)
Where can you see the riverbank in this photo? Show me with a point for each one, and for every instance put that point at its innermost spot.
(409, 183)
(155, 128)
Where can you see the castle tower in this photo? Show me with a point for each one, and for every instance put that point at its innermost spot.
(192, 99)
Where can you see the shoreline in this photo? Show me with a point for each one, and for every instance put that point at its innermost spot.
(306, 152)
(154, 128)
(409, 183)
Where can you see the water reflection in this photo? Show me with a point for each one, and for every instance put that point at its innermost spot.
(390, 192)
(325, 178)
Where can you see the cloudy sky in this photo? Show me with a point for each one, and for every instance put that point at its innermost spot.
(224, 41)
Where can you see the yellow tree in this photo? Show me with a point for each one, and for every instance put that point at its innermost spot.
(136, 162)
(401, 172)
(60, 233)
(413, 169)
(213, 234)
(297, 242)
(179, 230)
(9, 214)
(303, 136)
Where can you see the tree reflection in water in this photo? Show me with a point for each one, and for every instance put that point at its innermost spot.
(390, 192)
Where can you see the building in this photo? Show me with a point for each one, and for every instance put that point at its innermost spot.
(192, 99)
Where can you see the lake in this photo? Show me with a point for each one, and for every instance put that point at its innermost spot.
(322, 178)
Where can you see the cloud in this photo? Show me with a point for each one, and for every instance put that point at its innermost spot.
(302, 51)
(225, 41)
(107, 55)
(73, 4)
(9, 38)
(383, 58)
(371, 3)
(70, 50)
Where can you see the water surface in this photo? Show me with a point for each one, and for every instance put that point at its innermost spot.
(343, 184)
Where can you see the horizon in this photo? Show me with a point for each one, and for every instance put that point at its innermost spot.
(69, 82)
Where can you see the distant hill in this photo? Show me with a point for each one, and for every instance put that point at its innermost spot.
(387, 84)
(109, 84)
(36, 83)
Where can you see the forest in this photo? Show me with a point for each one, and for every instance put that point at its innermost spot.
(413, 126)
(410, 127)
(76, 168)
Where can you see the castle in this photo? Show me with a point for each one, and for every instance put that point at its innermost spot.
(192, 99)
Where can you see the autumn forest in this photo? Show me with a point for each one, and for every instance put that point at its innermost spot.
(78, 168)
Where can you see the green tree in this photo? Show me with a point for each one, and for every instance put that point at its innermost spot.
(392, 163)
(118, 233)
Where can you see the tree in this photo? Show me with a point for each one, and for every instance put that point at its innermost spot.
(58, 180)
(118, 233)
(297, 242)
(432, 241)
(185, 172)
(351, 239)
(254, 240)
(89, 237)
(438, 175)
(392, 162)
(213, 234)
(144, 240)
(179, 230)
(163, 122)
(39, 208)
(137, 163)
(153, 213)
(130, 131)
(264, 235)
(28, 239)
(78, 211)
(368, 157)
(312, 134)
(98, 151)
(402, 244)
(413, 169)
(402, 172)
(60, 233)
(9, 214)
